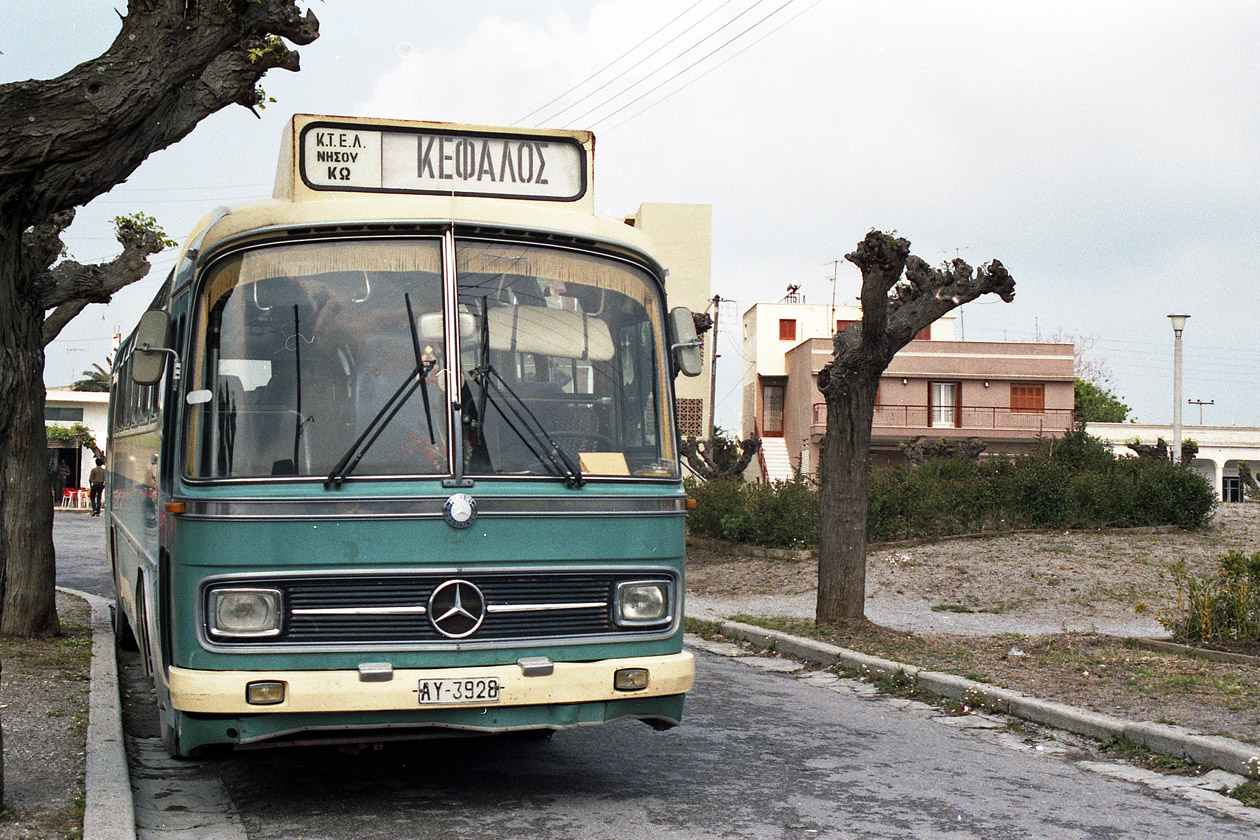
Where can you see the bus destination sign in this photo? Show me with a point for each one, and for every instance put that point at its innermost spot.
(357, 159)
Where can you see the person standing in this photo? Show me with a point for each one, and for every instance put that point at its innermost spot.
(62, 477)
(96, 481)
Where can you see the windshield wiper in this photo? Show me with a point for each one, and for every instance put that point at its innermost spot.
(385, 415)
(420, 366)
(523, 422)
(526, 425)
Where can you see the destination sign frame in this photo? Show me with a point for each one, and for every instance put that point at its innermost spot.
(354, 157)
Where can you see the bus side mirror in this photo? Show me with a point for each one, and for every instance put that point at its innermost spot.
(149, 358)
(687, 348)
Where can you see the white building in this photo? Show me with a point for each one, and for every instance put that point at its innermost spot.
(64, 407)
(1221, 449)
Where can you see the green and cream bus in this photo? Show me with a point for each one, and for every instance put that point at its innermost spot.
(393, 454)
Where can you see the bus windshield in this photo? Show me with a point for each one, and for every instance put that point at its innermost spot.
(562, 364)
(328, 360)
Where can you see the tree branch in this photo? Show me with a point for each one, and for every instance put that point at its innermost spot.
(62, 315)
(70, 281)
(894, 311)
(66, 140)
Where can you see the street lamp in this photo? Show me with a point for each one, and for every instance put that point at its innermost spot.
(1178, 324)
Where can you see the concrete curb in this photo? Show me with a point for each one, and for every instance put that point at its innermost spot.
(1161, 646)
(1209, 750)
(110, 812)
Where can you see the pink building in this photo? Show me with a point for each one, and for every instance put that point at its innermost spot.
(1006, 394)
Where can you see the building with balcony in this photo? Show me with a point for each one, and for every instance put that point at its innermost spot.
(1006, 394)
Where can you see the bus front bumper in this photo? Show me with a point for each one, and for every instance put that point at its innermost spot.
(226, 692)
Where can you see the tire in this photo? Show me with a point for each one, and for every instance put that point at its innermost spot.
(123, 634)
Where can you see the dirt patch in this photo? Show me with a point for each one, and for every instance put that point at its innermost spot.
(1042, 577)
(1033, 580)
(43, 709)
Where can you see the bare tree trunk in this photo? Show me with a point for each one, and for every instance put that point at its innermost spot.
(28, 605)
(845, 465)
(11, 357)
(894, 308)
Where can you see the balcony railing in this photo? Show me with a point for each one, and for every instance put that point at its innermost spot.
(971, 417)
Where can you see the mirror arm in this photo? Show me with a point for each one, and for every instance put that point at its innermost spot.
(146, 347)
(687, 345)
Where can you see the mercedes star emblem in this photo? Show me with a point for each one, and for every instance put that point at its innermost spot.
(457, 609)
(460, 510)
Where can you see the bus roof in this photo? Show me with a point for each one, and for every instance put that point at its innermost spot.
(346, 170)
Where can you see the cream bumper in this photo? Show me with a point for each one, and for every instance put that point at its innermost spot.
(223, 692)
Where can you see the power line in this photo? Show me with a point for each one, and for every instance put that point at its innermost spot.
(614, 61)
(653, 72)
(689, 83)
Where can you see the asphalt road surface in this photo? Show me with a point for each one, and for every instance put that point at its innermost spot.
(762, 754)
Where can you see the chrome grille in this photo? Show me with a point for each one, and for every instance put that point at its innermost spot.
(337, 609)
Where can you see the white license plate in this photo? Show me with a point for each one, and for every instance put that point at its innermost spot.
(474, 691)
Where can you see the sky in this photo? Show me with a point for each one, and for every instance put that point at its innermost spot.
(1108, 153)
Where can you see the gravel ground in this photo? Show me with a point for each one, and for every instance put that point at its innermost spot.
(43, 710)
(1112, 582)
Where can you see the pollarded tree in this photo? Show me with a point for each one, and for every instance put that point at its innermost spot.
(901, 294)
(63, 142)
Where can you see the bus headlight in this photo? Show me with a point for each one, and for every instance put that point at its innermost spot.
(238, 613)
(640, 602)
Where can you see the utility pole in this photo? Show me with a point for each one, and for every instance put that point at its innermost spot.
(1200, 404)
(713, 331)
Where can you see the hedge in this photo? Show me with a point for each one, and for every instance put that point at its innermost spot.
(1073, 482)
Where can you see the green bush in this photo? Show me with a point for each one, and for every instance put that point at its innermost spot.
(1225, 606)
(781, 515)
(1072, 482)
(715, 501)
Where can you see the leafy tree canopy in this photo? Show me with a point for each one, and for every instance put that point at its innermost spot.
(96, 379)
(1096, 404)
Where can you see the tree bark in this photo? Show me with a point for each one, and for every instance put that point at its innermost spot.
(846, 454)
(893, 311)
(27, 569)
(29, 606)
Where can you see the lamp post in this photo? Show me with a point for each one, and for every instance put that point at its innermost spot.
(1178, 324)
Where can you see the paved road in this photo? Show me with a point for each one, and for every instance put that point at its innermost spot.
(80, 541)
(762, 754)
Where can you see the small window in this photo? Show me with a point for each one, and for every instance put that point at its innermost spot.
(924, 334)
(1028, 398)
(60, 414)
(842, 325)
(787, 329)
(944, 404)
